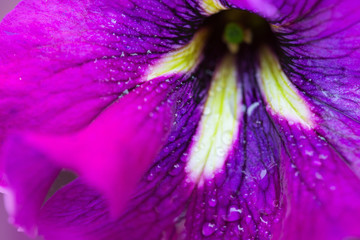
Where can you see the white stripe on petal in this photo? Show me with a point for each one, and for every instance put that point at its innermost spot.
(183, 60)
(212, 6)
(219, 124)
(281, 95)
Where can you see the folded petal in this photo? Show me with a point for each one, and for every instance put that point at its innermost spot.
(59, 74)
(156, 206)
(105, 153)
(80, 212)
(111, 154)
(25, 189)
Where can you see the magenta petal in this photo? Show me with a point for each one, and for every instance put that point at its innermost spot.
(322, 193)
(31, 161)
(28, 176)
(243, 200)
(79, 212)
(116, 149)
(62, 62)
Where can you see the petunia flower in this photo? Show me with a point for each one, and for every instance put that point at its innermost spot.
(182, 119)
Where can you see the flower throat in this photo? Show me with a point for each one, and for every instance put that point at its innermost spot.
(235, 28)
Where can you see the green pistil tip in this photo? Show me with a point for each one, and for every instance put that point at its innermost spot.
(233, 33)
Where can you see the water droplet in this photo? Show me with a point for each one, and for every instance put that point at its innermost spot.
(309, 152)
(318, 176)
(150, 177)
(261, 219)
(252, 107)
(317, 163)
(240, 228)
(175, 170)
(263, 174)
(233, 214)
(220, 152)
(208, 228)
(227, 137)
(258, 123)
(212, 202)
(207, 111)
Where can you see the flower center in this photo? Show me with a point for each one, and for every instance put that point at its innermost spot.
(247, 77)
(234, 28)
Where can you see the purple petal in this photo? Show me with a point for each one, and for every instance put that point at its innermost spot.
(64, 63)
(79, 212)
(280, 179)
(139, 119)
(27, 181)
(244, 198)
(322, 193)
(319, 41)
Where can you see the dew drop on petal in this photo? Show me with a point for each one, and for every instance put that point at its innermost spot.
(175, 170)
(150, 177)
(220, 152)
(309, 152)
(227, 137)
(208, 228)
(240, 229)
(316, 163)
(318, 176)
(263, 173)
(233, 214)
(212, 202)
(207, 111)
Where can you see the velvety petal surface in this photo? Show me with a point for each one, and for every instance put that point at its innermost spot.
(320, 188)
(322, 192)
(79, 212)
(62, 62)
(105, 154)
(319, 42)
(291, 172)
(243, 199)
(282, 179)
(25, 189)
(62, 65)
